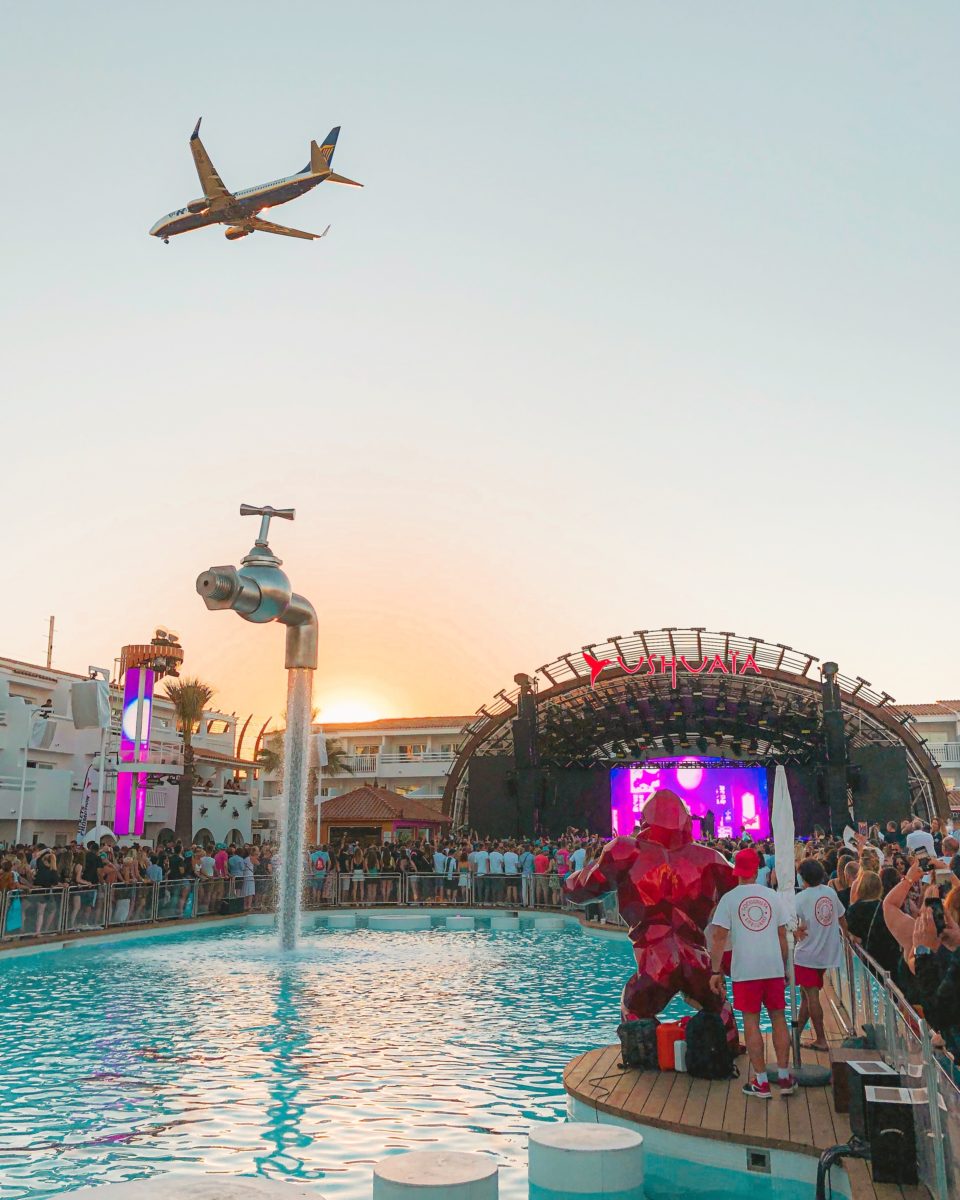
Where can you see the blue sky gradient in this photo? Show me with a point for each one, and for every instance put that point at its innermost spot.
(646, 315)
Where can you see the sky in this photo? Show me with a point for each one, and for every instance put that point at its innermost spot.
(645, 316)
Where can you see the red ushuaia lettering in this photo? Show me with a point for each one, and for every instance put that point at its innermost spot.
(631, 670)
(749, 664)
(718, 665)
(693, 670)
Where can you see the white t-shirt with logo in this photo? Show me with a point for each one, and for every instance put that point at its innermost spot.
(820, 909)
(496, 862)
(481, 860)
(511, 862)
(921, 839)
(752, 914)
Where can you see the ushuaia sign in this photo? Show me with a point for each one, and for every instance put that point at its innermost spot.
(659, 664)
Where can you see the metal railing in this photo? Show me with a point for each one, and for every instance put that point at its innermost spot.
(46, 912)
(875, 1006)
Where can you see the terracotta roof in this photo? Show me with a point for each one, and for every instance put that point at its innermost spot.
(936, 708)
(379, 804)
(387, 723)
(954, 797)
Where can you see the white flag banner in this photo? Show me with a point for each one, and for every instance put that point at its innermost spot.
(89, 789)
(784, 838)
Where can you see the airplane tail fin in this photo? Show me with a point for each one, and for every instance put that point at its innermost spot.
(322, 156)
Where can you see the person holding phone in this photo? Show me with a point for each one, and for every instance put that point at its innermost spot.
(936, 948)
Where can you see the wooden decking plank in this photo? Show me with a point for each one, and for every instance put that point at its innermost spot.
(861, 1185)
(798, 1114)
(633, 1105)
(819, 1103)
(674, 1106)
(716, 1105)
(576, 1069)
(658, 1095)
(778, 1124)
(696, 1102)
(736, 1110)
(598, 1075)
(624, 1086)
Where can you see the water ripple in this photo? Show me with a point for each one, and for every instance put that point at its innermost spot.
(213, 1050)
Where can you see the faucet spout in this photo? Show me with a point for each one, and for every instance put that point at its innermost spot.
(300, 618)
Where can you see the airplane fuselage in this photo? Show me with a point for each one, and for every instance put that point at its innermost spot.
(245, 203)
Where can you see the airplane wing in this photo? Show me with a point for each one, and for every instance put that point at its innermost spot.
(285, 230)
(210, 181)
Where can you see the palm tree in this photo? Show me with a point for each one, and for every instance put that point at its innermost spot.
(269, 761)
(189, 698)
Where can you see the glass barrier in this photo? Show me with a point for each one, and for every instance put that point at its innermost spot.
(132, 903)
(361, 888)
(176, 899)
(85, 908)
(874, 1007)
(503, 891)
(36, 913)
(436, 889)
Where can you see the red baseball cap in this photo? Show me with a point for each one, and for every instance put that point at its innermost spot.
(746, 863)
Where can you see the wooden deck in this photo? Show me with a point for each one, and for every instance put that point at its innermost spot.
(804, 1123)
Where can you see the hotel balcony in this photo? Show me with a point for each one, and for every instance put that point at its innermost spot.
(390, 765)
(946, 753)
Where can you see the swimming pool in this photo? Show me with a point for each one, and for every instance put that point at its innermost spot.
(211, 1050)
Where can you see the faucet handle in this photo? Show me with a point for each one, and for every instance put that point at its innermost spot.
(267, 512)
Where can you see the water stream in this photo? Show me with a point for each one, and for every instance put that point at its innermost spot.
(296, 761)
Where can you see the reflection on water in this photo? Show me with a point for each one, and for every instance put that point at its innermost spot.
(215, 1051)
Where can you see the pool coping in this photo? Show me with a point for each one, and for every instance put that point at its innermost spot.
(116, 933)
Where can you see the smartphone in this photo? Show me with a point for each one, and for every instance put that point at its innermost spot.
(935, 904)
(924, 862)
(862, 828)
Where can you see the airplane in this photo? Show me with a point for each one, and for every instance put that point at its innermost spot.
(241, 211)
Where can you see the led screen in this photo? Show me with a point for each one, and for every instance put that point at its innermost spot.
(736, 795)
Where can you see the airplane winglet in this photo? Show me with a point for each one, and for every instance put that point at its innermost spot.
(196, 130)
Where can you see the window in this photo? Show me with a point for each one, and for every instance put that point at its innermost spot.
(218, 726)
(365, 751)
(447, 749)
(413, 750)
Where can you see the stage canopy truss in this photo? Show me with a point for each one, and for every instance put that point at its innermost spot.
(710, 706)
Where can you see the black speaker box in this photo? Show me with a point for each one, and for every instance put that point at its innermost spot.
(862, 1074)
(230, 906)
(891, 1132)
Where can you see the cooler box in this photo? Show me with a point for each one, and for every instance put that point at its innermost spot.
(668, 1034)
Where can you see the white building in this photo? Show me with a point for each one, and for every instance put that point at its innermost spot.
(44, 762)
(408, 755)
(939, 723)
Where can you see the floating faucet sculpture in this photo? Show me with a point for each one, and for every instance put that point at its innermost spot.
(261, 592)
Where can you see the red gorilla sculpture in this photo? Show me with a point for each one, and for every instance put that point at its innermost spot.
(667, 889)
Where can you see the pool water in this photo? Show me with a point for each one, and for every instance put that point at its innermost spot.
(212, 1051)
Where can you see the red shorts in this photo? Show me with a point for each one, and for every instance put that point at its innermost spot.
(811, 977)
(749, 995)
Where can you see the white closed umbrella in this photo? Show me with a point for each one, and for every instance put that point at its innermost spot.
(784, 839)
(784, 842)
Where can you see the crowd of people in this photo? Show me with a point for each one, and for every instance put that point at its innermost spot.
(35, 874)
(896, 893)
(897, 889)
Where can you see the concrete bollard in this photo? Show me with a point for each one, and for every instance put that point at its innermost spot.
(548, 922)
(342, 921)
(586, 1161)
(439, 1174)
(400, 921)
(504, 922)
(461, 922)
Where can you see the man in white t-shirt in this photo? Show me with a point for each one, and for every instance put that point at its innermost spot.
(820, 916)
(578, 858)
(920, 839)
(481, 869)
(751, 919)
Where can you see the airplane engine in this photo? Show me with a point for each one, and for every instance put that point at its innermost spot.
(233, 233)
(198, 206)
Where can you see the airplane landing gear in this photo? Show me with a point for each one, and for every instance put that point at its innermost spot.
(166, 241)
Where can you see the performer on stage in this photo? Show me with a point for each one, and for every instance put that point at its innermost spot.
(667, 888)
